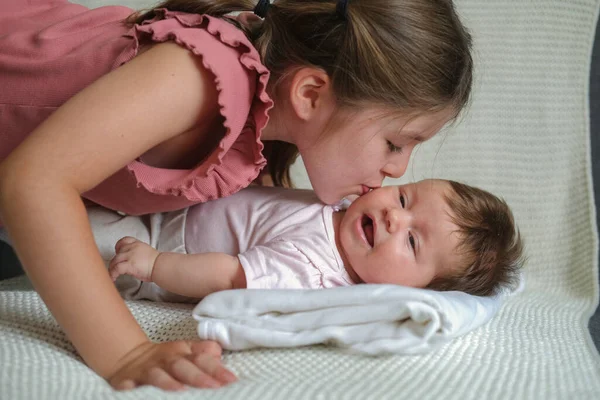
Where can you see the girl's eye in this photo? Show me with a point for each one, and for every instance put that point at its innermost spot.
(402, 201)
(411, 240)
(393, 148)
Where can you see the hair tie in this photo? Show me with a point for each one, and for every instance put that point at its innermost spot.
(342, 9)
(261, 8)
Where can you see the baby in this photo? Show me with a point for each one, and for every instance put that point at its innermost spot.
(435, 234)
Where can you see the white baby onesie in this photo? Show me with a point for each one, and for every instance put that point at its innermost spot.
(283, 238)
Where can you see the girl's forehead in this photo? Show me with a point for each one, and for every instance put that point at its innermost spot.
(419, 126)
(427, 124)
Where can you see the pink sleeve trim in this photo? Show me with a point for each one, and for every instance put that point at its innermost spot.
(241, 80)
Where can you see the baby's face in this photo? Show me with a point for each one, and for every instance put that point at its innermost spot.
(400, 234)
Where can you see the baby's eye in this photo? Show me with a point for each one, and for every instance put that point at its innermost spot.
(393, 148)
(402, 201)
(411, 240)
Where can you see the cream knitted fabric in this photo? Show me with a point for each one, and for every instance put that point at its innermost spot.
(526, 137)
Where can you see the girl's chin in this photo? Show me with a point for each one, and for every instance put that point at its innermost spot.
(328, 198)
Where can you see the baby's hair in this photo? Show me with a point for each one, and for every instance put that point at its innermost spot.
(490, 245)
(413, 56)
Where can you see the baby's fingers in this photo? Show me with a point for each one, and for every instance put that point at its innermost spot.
(123, 242)
(118, 266)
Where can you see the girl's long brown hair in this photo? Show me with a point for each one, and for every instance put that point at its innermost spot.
(409, 55)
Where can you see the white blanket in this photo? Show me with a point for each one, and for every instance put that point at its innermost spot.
(369, 319)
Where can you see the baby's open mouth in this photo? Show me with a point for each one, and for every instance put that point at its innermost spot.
(367, 225)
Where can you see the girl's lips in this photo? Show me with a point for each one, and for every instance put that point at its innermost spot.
(367, 189)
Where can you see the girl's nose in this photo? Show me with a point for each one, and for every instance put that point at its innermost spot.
(397, 167)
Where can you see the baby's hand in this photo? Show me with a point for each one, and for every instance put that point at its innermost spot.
(133, 258)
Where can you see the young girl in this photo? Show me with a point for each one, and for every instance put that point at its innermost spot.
(158, 110)
(431, 233)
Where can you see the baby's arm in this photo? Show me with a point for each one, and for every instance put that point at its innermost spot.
(191, 275)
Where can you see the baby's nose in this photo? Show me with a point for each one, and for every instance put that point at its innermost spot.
(397, 218)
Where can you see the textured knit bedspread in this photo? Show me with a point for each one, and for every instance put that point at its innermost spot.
(526, 138)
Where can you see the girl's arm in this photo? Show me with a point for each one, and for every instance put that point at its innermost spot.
(154, 97)
(191, 275)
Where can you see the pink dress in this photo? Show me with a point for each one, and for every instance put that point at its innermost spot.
(51, 49)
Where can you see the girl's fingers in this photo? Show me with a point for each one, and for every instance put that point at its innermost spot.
(173, 365)
(224, 375)
(212, 349)
(160, 378)
(190, 374)
(214, 368)
(127, 384)
(206, 346)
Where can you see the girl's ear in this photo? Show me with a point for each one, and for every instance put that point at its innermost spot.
(311, 94)
(249, 20)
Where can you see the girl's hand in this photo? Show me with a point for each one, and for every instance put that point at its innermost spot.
(173, 366)
(133, 258)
